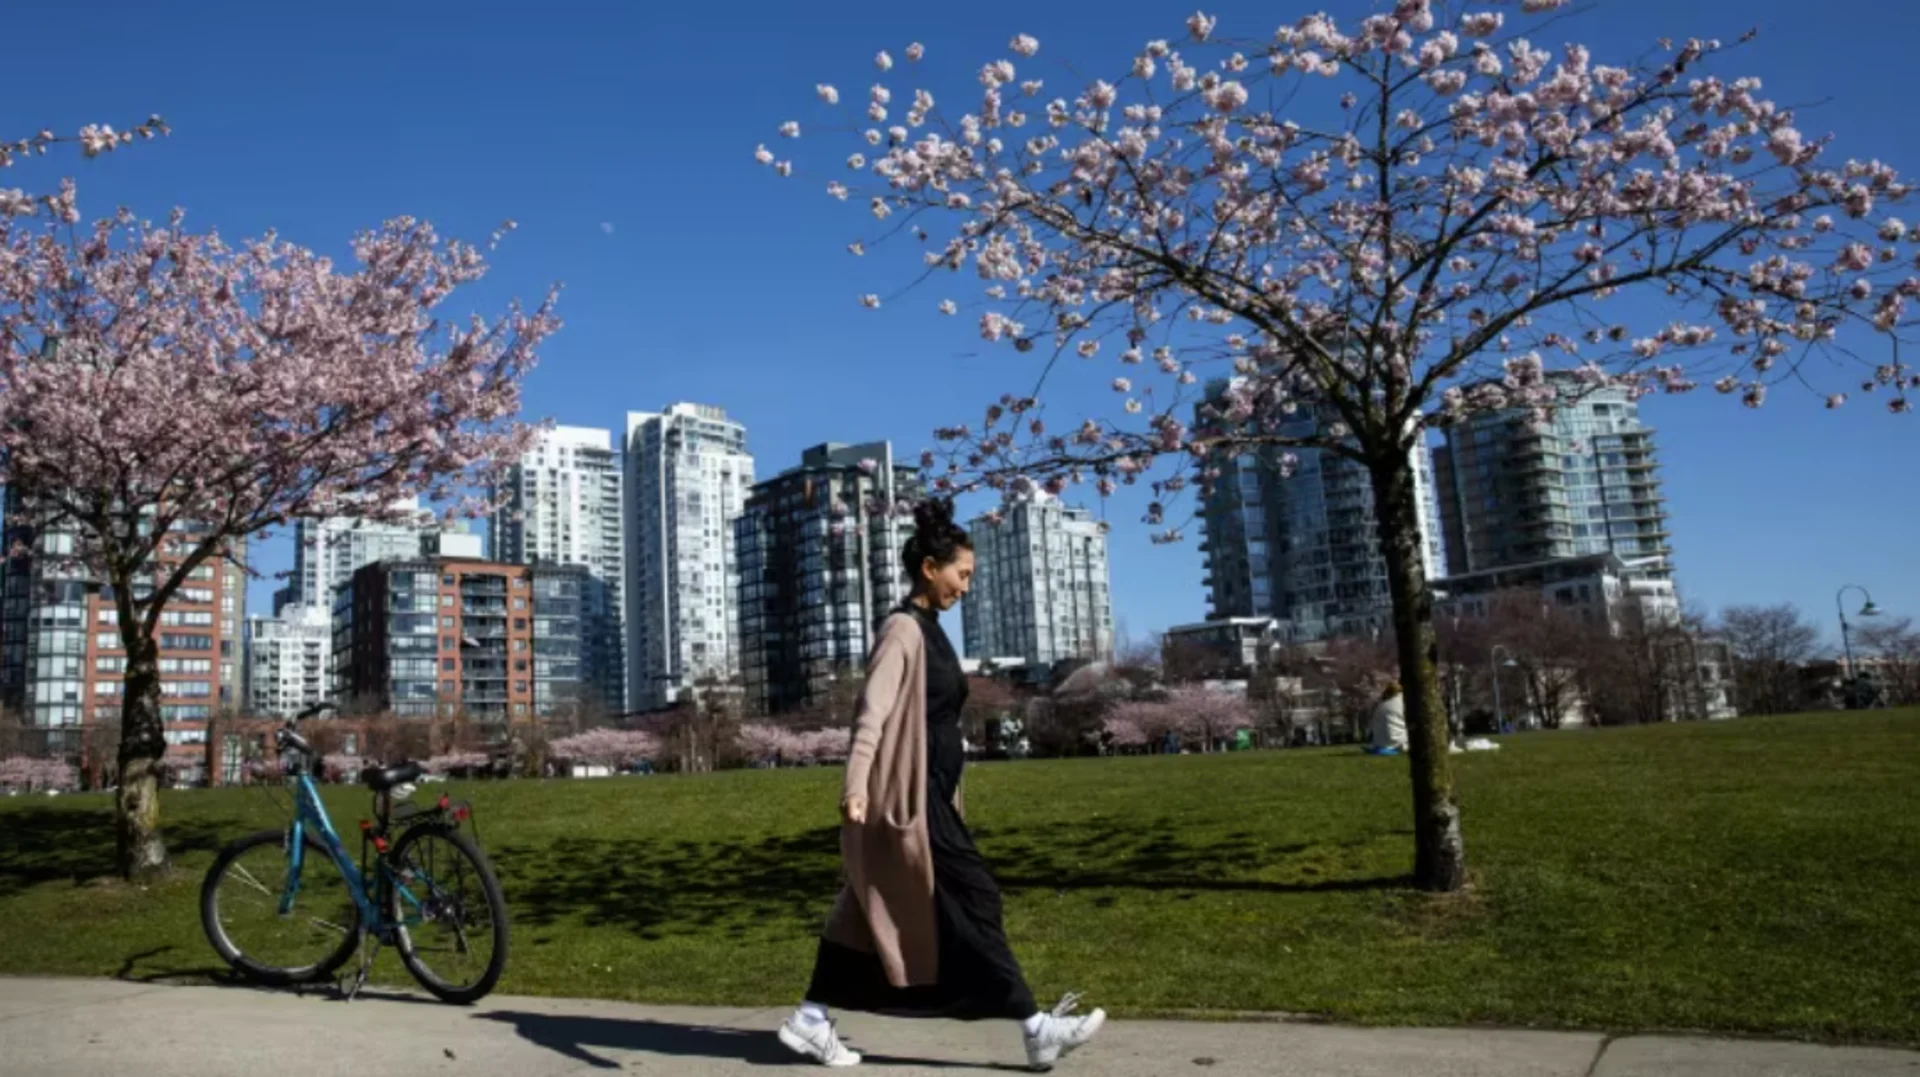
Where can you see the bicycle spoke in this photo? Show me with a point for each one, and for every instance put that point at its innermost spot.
(240, 872)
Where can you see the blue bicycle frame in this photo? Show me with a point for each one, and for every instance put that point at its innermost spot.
(310, 812)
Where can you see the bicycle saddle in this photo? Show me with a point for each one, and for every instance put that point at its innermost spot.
(382, 779)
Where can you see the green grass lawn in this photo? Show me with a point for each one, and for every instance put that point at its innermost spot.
(1758, 876)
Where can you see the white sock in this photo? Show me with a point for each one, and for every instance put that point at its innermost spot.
(812, 1013)
(1033, 1024)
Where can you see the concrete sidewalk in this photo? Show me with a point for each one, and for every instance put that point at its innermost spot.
(106, 1028)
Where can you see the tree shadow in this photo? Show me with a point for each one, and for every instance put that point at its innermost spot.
(576, 1038)
(43, 845)
(660, 887)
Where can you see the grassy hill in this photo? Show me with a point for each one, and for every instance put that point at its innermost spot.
(1754, 876)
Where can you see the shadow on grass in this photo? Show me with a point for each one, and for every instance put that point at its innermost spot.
(577, 1037)
(657, 887)
(43, 845)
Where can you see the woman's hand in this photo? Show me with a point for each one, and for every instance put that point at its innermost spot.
(854, 810)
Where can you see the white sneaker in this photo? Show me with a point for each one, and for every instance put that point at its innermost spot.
(819, 1041)
(1061, 1033)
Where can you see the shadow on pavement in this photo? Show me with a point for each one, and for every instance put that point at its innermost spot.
(131, 971)
(577, 1037)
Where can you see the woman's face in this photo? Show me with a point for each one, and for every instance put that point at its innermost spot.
(947, 584)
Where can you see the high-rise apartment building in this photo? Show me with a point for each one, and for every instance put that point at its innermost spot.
(287, 662)
(1516, 492)
(446, 636)
(1041, 584)
(61, 660)
(561, 505)
(819, 565)
(687, 479)
(327, 552)
(1291, 534)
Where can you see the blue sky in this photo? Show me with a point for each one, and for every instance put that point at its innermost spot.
(620, 137)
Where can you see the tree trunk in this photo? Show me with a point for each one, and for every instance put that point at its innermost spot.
(1440, 857)
(142, 853)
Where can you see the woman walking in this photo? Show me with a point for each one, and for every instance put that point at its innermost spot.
(917, 929)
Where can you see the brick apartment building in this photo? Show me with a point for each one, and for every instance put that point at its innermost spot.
(443, 636)
(62, 663)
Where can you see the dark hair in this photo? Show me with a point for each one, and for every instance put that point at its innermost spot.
(935, 536)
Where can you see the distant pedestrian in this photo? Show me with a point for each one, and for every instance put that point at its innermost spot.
(917, 928)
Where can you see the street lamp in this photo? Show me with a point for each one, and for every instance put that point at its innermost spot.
(1494, 664)
(1867, 610)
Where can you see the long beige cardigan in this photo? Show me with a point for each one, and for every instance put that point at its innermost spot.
(885, 906)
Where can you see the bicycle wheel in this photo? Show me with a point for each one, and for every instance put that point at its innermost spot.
(241, 902)
(449, 914)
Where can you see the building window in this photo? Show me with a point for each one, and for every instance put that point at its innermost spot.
(448, 688)
(446, 622)
(446, 602)
(447, 665)
(446, 643)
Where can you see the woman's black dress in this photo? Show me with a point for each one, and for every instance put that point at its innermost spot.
(979, 978)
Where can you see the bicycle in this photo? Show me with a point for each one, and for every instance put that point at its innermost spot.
(324, 905)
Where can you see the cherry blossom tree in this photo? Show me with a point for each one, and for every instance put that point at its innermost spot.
(1210, 715)
(760, 741)
(824, 745)
(164, 395)
(456, 762)
(606, 747)
(1125, 732)
(1368, 231)
(32, 774)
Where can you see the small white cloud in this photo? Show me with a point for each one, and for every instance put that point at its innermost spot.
(607, 227)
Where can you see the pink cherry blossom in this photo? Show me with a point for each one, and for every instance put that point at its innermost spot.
(915, 51)
(614, 748)
(790, 129)
(1201, 25)
(883, 61)
(1481, 24)
(763, 155)
(827, 93)
(1227, 97)
(1025, 45)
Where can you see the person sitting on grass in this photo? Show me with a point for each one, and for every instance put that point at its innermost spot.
(1389, 733)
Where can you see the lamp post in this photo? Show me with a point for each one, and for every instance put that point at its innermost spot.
(1494, 664)
(1846, 640)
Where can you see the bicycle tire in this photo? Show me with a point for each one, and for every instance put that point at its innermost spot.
(252, 968)
(496, 901)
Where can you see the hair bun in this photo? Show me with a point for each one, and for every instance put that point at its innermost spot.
(933, 515)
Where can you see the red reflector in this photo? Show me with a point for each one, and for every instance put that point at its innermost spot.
(366, 824)
(461, 812)
(443, 802)
(380, 844)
